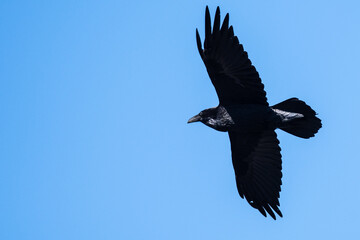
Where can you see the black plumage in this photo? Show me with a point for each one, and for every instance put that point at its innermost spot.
(244, 113)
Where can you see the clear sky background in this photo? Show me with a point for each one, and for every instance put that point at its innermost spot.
(95, 96)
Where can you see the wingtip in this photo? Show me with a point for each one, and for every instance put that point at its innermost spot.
(218, 9)
(217, 21)
(231, 31)
(262, 211)
(277, 210)
(198, 42)
(269, 211)
(207, 23)
(198, 39)
(225, 24)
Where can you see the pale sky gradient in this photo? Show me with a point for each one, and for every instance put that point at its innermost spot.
(95, 96)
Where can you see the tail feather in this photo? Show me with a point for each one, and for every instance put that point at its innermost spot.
(304, 127)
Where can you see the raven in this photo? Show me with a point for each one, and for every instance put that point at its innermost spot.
(244, 113)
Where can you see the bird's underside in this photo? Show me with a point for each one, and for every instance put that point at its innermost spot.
(245, 114)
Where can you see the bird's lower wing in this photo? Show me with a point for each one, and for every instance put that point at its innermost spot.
(257, 163)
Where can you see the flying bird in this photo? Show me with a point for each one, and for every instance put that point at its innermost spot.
(244, 113)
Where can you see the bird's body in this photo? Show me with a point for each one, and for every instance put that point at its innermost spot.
(242, 118)
(244, 113)
(248, 118)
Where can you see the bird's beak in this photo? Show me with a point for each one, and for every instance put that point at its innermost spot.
(195, 118)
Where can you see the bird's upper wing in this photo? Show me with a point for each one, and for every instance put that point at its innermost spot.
(257, 163)
(235, 79)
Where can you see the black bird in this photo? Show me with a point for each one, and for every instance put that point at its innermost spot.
(244, 113)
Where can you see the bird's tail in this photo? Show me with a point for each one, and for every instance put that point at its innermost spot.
(304, 127)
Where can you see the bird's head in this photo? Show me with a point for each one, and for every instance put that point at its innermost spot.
(207, 116)
(216, 118)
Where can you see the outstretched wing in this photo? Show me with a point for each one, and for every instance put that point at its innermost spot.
(235, 79)
(257, 163)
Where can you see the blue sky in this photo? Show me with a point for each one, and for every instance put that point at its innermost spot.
(95, 96)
